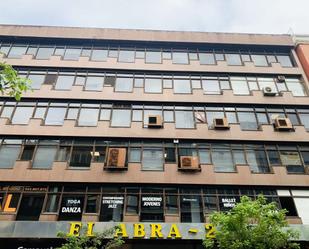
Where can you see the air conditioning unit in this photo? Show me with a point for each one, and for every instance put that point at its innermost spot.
(155, 121)
(116, 158)
(189, 162)
(269, 91)
(221, 123)
(283, 124)
(281, 78)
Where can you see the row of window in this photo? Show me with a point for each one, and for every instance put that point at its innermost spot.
(125, 82)
(148, 55)
(111, 204)
(154, 156)
(122, 115)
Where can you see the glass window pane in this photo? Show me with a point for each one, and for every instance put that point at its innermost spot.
(72, 54)
(239, 157)
(273, 157)
(124, 85)
(222, 160)
(105, 114)
(153, 57)
(247, 121)
(36, 80)
(191, 209)
(180, 58)
(8, 155)
(112, 208)
(52, 203)
(17, 52)
(44, 157)
(126, 56)
(204, 156)
(182, 86)
(99, 55)
(55, 116)
(296, 88)
(44, 53)
(88, 117)
(233, 59)
(259, 60)
(207, 59)
(257, 161)
(40, 112)
(135, 155)
(81, 156)
(153, 85)
(184, 119)
(304, 118)
(22, 115)
(168, 116)
(240, 87)
(121, 118)
(94, 83)
(64, 82)
(292, 161)
(137, 115)
(285, 60)
(211, 86)
(7, 111)
(152, 159)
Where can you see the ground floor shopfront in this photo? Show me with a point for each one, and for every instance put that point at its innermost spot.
(43, 235)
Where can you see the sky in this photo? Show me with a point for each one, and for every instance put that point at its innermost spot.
(240, 16)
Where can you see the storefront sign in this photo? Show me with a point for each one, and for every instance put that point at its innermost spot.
(71, 207)
(148, 230)
(227, 203)
(7, 204)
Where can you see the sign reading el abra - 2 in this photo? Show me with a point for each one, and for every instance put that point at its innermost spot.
(148, 230)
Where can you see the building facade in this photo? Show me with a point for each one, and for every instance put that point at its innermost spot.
(149, 129)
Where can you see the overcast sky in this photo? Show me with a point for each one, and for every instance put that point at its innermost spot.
(249, 16)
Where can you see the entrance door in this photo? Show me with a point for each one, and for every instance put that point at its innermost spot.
(30, 207)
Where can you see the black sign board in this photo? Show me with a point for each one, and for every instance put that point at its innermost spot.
(71, 208)
(228, 202)
(152, 201)
(112, 208)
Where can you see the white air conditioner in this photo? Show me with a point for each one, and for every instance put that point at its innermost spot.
(269, 91)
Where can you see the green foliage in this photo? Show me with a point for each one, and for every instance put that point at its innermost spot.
(93, 242)
(10, 83)
(252, 224)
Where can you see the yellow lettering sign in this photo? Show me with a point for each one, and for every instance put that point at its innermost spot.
(139, 231)
(156, 231)
(7, 207)
(174, 232)
(210, 231)
(75, 228)
(90, 226)
(121, 231)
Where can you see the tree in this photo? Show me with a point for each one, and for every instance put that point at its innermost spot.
(12, 84)
(92, 242)
(252, 224)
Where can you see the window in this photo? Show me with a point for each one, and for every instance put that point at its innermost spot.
(92, 203)
(233, 59)
(124, 85)
(88, 117)
(7, 111)
(191, 209)
(27, 153)
(72, 54)
(180, 58)
(55, 116)
(81, 156)
(126, 56)
(204, 156)
(132, 204)
(99, 154)
(292, 161)
(36, 80)
(288, 204)
(112, 208)
(273, 156)
(71, 207)
(211, 86)
(184, 119)
(257, 161)
(222, 159)
(239, 156)
(44, 157)
(182, 86)
(52, 203)
(168, 116)
(30, 207)
(247, 121)
(171, 204)
(153, 85)
(44, 53)
(153, 57)
(296, 88)
(121, 118)
(152, 159)
(259, 60)
(105, 114)
(240, 87)
(17, 52)
(94, 83)
(304, 118)
(8, 155)
(64, 82)
(170, 155)
(207, 59)
(135, 155)
(22, 115)
(151, 208)
(285, 60)
(99, 55)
